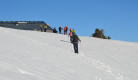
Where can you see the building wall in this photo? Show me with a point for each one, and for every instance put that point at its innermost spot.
(25, 26)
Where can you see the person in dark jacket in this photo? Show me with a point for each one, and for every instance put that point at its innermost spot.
(60, 29)
(74, 41)
(54, 30)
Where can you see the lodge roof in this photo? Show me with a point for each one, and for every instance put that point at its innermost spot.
(16, 22)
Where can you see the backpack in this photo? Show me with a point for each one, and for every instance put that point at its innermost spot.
(75, 38)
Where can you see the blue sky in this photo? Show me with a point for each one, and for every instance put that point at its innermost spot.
(118, 18)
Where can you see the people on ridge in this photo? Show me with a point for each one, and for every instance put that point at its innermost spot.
(60, 29)
(41, 28)
(65, 30)
(45, 27)
(70, 34)
(74, 41)
(73, 31)
(54, 30)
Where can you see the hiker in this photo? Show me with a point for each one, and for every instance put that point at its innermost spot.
(41, 28)
(73, 31)
(60, 29)
(65, 30)
(45, 27)
(54, 30)
(74, 41)
(70, 34)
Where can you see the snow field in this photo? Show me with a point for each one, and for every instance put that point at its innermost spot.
(32, 55)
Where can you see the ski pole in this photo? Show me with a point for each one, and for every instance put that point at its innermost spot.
(70, 44)
(68, 38)
(71, 47)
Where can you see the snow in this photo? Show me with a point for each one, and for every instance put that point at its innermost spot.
(32, 55)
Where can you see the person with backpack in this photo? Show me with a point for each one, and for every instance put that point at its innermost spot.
(73, 31)
(70, 34)
(45, 27)
(54, 30)
(74, 41)
(65, 30)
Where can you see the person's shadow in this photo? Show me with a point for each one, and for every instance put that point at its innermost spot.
(64, 41)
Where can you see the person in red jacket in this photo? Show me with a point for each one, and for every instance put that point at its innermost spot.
(65, 30)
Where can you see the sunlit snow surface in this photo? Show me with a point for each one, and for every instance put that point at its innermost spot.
(32, 55)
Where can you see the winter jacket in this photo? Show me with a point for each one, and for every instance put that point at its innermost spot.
(66, 28)
(70, 33)
(40, 25)
(54, 30)
(75, 37)
(59, 28)
(73, 31)
(45, 26)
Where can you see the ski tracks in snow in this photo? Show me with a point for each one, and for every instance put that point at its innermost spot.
(102, 66)
(98, 64)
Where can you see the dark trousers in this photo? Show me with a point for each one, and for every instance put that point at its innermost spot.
(70, 38)
(60, 31)
(65, 32)
(41, 29)
(75, 47)
(44, 29)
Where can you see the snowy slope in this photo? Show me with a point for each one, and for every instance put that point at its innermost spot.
(32, 55)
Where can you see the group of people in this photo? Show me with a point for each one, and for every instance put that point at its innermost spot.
(74, 39)
(43, 27)
(65, 30)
